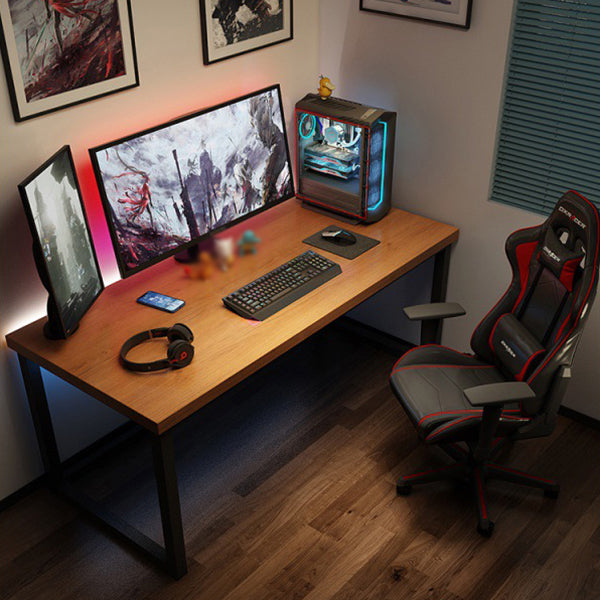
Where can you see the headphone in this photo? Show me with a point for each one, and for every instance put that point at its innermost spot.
(179, 352)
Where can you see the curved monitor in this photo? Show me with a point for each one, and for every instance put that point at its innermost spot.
(63, 249)
(166, 188)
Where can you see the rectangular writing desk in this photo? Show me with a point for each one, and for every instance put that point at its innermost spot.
(227, 347)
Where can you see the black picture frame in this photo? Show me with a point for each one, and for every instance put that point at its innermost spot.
(460, 19)
(27, 108)
(126, 271)
(212, 52)
(58, 325)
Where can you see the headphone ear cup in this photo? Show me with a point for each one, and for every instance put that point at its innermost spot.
(180, 354)
(179, 331)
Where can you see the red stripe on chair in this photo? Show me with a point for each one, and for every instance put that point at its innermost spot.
(454, 423)
(524, 253)
(521, 374)
(507, 290)
(583, 305)
(562, 327)
(517, 472)
(564, 324)
(449, 412)
(463, 411)
(490, 344)
(567, 273)
(409, 367)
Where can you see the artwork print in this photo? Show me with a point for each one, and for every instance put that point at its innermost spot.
(232, 27)
(60, 52)
(165, 188)
(450, 12)
(65, 241)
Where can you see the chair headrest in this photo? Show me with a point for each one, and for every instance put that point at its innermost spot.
(561, 261)
(569, 234)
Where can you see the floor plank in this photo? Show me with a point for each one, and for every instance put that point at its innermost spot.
(287, 486)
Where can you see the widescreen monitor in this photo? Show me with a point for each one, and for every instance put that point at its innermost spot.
(166, 188)
(62, 245)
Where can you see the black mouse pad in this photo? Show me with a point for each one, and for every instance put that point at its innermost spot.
(363, 243)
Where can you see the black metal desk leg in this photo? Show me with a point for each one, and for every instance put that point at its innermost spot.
(431, 331)
(42, 422)
(170, 508)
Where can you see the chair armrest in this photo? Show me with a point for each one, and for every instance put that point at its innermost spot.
(496, 394)
(434, 310)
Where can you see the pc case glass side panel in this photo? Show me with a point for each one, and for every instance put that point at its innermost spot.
(329, 161)
(377, 166)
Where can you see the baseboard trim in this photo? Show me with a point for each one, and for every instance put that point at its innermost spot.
(21, 493)
(579, 417)
(88, 456)
(382, 338)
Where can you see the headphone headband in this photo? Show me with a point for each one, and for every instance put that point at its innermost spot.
(179, 352)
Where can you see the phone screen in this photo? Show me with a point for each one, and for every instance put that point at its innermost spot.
(161, 301)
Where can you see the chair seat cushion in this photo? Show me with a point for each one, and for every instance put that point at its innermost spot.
(429, 382)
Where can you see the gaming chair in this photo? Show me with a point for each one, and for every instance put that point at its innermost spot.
(512, 386)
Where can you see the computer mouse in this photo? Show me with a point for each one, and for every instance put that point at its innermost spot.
(339, 236)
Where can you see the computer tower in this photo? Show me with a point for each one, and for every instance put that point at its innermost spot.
(345, 157)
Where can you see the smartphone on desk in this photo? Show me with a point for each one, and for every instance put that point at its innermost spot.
(161, 301)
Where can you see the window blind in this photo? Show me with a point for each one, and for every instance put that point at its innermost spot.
(549, 134)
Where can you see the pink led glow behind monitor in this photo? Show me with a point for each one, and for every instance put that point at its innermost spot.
(168, 187)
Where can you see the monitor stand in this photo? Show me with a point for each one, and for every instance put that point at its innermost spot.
(191, 254)
(53, 328)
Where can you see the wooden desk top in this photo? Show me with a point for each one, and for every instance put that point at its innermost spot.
(227, 347)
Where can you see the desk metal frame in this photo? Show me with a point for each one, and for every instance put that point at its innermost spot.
(171, 557)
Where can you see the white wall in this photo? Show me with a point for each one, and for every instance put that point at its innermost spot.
(446, 85)
(173, 81)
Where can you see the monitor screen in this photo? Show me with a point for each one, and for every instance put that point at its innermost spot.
(65, 256)
(165, 188)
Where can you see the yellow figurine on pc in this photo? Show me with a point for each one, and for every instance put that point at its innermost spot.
(325, 87)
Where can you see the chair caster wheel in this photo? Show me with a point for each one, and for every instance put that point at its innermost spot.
(486, 529)
(552, 493)
(403, 489)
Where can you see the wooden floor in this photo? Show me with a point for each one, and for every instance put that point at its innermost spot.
(287, 485)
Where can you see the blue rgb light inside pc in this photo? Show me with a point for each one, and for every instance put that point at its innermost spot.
(331, 148)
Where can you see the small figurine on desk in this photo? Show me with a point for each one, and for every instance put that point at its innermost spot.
(202, 269)
(325, 87)
(224, 252)
(247, 243)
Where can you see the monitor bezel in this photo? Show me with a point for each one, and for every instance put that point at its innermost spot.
(126, 271)
(38, 250)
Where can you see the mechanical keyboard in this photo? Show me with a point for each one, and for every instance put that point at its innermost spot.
(277, 289)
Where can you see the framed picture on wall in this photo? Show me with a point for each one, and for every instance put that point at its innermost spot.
(234, 27)
(58, 53)
(448, 12)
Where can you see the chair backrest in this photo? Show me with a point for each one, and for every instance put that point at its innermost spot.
(535, 327)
